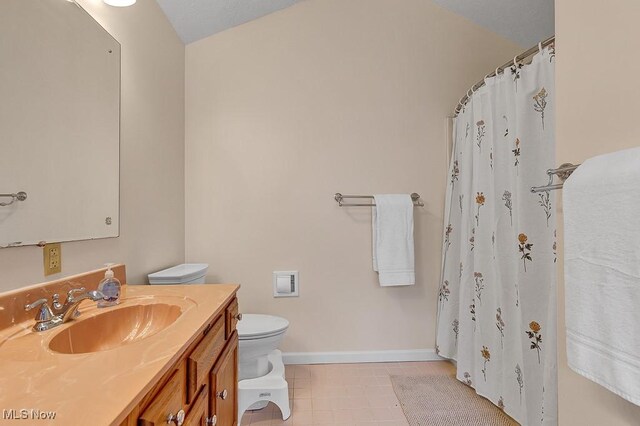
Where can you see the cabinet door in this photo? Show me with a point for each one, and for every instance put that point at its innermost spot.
(198, 414)
(224, 385)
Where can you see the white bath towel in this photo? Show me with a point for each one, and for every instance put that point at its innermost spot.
(393, 251)
(602, 271)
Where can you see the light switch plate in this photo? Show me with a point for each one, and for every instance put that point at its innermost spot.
(293, 277)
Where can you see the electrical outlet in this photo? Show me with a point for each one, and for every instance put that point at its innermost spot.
(52, 259)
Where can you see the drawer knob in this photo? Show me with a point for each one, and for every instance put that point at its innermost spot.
(211, 421)
(238, 317)
(223, 395)
(178, 418)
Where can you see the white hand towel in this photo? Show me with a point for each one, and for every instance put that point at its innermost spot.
(393, 251)
(602, 271)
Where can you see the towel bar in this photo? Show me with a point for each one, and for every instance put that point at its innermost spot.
(340, 199)
(563, 172)
(20, 196)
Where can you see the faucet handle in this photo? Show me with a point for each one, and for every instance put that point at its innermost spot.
(96, 295)
(35, 304)
(44, 318)
(55, 301)
(73, 291)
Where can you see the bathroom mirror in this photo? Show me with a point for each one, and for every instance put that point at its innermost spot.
(59, 124)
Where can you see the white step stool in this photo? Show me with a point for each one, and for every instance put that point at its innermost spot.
(271, 387)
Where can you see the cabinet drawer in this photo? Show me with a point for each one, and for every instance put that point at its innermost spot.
(202, 358)
(168, 401)
(232, 317)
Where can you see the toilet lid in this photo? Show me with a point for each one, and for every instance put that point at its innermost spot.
(253, 326)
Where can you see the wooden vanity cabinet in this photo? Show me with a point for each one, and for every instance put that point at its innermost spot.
(201, 388)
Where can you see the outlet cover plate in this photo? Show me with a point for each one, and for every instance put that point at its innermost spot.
(52, 259)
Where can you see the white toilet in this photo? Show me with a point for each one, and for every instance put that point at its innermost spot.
(260, 366)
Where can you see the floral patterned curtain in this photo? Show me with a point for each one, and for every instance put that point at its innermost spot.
(497, 301)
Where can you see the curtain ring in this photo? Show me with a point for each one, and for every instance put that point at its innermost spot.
(515, 61)
(462, 102)
(540, 47)
(497, 71)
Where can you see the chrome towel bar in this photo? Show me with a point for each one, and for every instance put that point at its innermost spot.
(20, 196)
(563, 172)
(340, 199)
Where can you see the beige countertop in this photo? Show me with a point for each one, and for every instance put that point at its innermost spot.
(101, 388)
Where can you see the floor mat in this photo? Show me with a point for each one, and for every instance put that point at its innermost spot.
(442, 400)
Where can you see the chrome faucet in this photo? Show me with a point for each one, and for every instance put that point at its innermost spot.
(47, 318)
(69, 310)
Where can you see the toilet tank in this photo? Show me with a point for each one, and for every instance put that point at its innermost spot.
(187, 273)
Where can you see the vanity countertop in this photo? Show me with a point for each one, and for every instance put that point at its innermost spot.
(101, 388)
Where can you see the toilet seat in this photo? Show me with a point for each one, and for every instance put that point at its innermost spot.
(258, 326)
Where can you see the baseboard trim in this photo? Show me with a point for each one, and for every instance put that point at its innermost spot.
(301, 358)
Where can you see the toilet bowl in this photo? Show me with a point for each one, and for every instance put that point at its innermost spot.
(259, 337)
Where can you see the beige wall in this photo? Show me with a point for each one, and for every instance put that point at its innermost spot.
(326, 96)
(151, 156)
(596, 74)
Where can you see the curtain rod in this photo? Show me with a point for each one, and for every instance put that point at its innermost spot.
(519, 58)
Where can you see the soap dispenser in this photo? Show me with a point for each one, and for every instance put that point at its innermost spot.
(111, 288)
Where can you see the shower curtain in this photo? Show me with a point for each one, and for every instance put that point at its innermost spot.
(497, 298)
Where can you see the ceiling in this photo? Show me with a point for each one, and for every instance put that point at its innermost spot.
(523, 21)
(196, 19)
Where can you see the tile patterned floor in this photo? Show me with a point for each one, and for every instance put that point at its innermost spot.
(343, 394)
